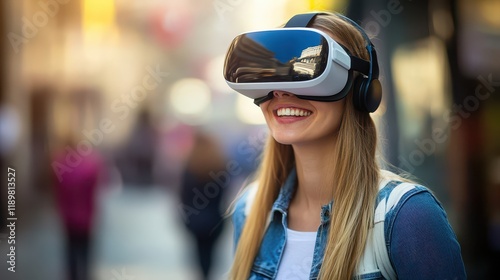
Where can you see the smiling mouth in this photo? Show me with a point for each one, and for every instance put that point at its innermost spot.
(292, 112)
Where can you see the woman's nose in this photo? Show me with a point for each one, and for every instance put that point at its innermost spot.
(279, 93)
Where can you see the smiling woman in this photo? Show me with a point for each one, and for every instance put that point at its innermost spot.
(321, 207)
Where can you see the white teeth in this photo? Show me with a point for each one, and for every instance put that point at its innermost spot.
(293, 112)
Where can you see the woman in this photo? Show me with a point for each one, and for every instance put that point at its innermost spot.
(76, 192)
(311, 210)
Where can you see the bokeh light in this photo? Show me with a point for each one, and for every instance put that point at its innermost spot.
(247, 112)
(190, 100)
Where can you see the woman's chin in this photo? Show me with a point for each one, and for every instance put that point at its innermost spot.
(287, 138)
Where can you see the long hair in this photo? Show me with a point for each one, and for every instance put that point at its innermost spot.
(356, 174)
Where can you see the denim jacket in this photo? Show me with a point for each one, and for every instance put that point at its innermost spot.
(420, 242)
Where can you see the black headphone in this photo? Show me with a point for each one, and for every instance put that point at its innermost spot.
(367, 91)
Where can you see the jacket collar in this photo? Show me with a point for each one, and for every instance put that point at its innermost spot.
(286, 192)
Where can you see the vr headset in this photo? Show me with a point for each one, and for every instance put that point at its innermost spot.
(304, 61)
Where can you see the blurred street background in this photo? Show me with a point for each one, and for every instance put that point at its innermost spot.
(127, 147)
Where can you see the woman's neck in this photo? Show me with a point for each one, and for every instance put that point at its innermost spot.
(314, 187)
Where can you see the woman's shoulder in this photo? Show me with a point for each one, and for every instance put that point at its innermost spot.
(394, 188)
(416, 225)
(398, 194)
(401, 197)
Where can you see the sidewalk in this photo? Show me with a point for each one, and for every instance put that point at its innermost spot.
(138, 237)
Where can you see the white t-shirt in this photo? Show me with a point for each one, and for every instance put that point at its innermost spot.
(297, 256)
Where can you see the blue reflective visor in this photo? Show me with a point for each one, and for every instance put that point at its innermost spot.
(304, 61)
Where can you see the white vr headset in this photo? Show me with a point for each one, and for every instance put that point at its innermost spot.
(304, 61)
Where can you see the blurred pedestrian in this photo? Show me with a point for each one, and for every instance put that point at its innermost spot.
(201, 197)
(136, 158)
(76, 200)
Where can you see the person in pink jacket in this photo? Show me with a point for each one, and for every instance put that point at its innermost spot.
(75, 189)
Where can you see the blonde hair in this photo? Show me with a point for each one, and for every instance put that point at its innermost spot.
(356, 173)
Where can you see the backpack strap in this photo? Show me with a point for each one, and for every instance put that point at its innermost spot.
(376, 257)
